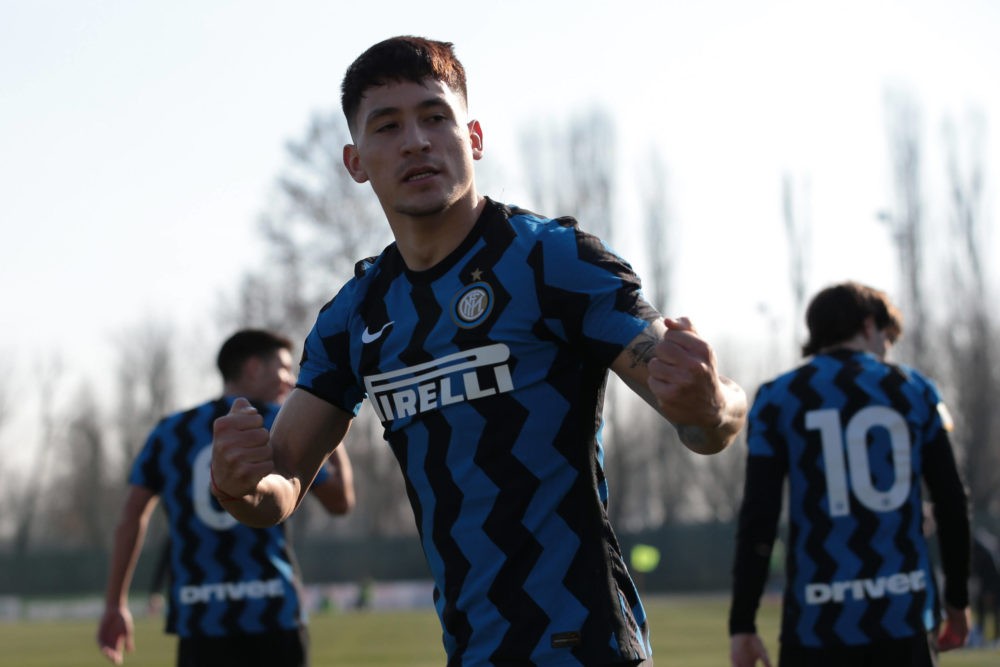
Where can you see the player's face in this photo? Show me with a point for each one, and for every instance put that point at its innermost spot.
(415, 146)
(273, 379)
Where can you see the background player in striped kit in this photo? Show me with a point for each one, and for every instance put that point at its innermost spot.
(855, 436)
(234, 591)
(482, 338)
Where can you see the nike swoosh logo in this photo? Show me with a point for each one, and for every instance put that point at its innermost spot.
(370, 336)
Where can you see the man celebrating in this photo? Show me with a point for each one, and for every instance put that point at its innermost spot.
(482, 338)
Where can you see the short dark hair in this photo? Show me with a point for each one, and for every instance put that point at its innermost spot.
(838, 313)
(403, 58)
(246, 344)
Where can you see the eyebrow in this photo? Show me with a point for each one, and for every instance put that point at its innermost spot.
(381, 112)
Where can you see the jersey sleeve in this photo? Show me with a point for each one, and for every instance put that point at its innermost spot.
(759, 513)
(764, 437)
(145, 471)
(590, 296)
(950, 501)
(325, 370)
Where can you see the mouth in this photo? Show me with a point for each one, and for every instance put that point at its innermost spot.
(417, 174)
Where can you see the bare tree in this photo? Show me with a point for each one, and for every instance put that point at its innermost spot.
(570, 169)
(318, 224)
(147, 385)
(7, 499)
(798, 233)
(662, 469)
(906, 219)
(31, 492)
(967, 361)
(972, 334)
(80, 511)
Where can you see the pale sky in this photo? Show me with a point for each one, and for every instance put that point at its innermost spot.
(139, 140)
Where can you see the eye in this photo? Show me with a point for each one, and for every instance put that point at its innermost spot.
(386, 127)
(436, 117)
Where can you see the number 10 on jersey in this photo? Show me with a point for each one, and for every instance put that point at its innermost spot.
(851, 443)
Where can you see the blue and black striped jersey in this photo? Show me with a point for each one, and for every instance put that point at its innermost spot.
(488, 373)
(226, 578)
(855, 438)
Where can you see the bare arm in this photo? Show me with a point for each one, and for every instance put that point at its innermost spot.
(114, 634)
(261, 477)
(336, 494)
(674, 370)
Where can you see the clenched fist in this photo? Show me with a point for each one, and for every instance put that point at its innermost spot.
(241, 452)
(707, 408)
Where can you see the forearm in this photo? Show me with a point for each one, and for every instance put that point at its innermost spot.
(336, 494)
(274, 500)
(731, 412)
(129, 537)
(130, 533)
(675, 371)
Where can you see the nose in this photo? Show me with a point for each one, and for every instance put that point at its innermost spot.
(415, 139)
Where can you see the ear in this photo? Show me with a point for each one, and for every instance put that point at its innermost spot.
(476, 139)
(352, 160)
(870, 328)
(251, 367)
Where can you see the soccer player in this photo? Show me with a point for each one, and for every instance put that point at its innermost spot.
(234, 592)
(855, 436)
(482, 338)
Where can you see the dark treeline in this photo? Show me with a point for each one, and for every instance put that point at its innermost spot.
(318, 222)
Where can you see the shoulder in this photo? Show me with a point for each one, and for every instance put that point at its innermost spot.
(171, 420)
(563, 241)
(525, 222)
(916, 379)
(779, 385)
(370, 266)
(911, 374)
(366, 272)
(526, 217)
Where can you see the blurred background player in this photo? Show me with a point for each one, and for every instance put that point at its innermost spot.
(855, 436)
(234, 595)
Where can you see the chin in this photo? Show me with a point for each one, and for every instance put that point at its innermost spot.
(422, 209)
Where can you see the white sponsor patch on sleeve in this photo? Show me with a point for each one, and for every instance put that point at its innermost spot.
(946, 421)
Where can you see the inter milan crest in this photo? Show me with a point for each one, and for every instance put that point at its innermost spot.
(472, 305)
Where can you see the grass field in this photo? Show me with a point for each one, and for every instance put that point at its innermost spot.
(687, 632)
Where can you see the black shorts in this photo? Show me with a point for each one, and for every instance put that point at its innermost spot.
(289, 648)
(915, 651)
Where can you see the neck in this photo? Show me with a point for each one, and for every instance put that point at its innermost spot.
(425, 240)
(860, 343)
(237, 389)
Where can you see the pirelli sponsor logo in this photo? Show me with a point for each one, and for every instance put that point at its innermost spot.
(463, 376)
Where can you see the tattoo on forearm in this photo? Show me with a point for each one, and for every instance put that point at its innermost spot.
(642, 351)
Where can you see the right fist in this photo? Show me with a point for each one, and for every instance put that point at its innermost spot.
(241, 451)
